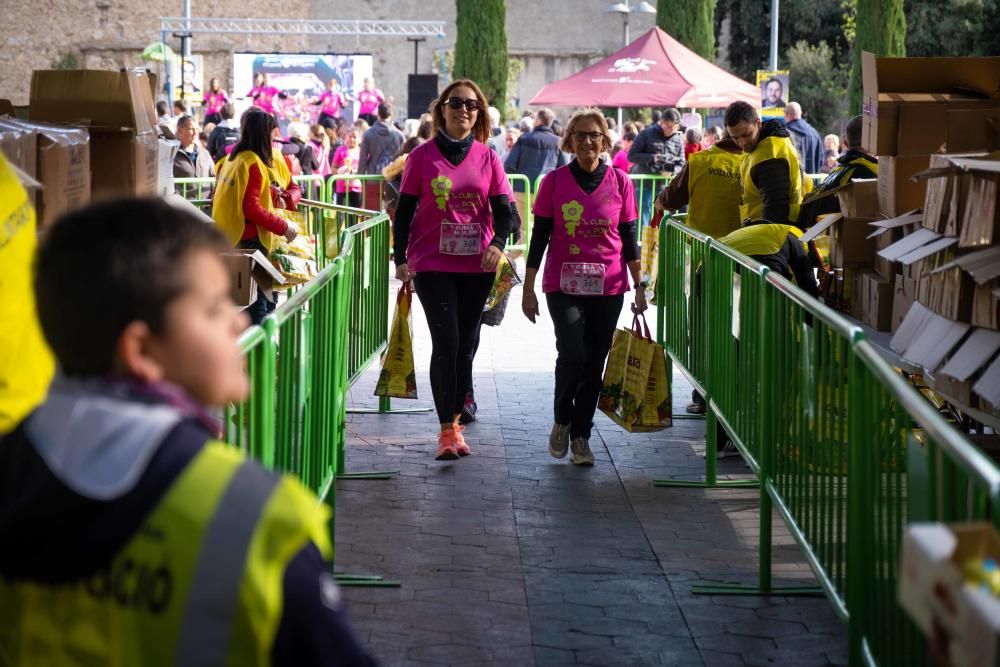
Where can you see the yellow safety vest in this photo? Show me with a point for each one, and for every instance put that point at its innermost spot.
(770, 148)
(199, 583)
(763, 239)
(26, 364)
(714, 191)
(227, 204)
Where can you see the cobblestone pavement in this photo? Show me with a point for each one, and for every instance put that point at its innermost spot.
(510, 557)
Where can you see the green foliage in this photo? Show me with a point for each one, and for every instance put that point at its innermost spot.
(690, 22)
(67, 60)
(820, 85)
(881, 29)
(750, 31)
(514, 69)
(945, 27)
(481, 47)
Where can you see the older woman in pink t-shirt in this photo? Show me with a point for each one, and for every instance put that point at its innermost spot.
(452, 222)
(585, 213)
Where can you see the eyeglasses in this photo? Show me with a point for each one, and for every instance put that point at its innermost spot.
(457, 103)
(594, 137)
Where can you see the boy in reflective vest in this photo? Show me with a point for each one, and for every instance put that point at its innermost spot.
(855, 164)
(769, 172)
(128, 534)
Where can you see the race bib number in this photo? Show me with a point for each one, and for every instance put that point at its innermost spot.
(460, 238)
(582, 278)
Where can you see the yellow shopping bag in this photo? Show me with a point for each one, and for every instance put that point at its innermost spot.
(398, 378)
(636, 391)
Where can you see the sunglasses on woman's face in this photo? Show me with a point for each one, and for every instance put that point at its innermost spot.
(457, 103)
(593, 137)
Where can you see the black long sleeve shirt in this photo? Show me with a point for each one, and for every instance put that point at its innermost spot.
(406, 209)
(541, 231)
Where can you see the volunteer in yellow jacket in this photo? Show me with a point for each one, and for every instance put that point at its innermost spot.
(254, 186)
(128, 534)
(777, 247)
(585, 222)
(769, 171)
(709, 185)
(26, 365)
(855, 164)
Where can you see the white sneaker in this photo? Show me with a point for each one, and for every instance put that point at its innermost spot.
(728, 451)
(559, 440)
(582, 456)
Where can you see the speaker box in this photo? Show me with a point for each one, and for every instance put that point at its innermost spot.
(422, 90)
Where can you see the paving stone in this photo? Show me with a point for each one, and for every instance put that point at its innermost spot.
(510, 557)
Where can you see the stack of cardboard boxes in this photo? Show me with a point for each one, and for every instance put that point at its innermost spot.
(917, 251)
(932, 123)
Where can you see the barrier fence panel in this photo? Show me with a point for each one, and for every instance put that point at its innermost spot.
(250, 425)
(194, 188)
(366, 191)
(523, 195)
(929, 472)
(313, 186)
(647, 187)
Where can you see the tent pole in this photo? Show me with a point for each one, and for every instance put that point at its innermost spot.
(619, 120)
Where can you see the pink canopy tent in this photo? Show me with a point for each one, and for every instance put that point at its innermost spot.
(653, 71)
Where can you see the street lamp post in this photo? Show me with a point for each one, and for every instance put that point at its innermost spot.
(625, 10)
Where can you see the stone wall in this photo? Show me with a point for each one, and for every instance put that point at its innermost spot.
(553, 38)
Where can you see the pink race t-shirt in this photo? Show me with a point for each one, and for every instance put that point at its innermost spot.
(453, 225)
(341, 157)
(369, 99)
(265, 97)
(620, 161)
(584, 256)
(215, 101)
(332, 103)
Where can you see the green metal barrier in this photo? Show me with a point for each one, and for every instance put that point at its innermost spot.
(373, 190)
(647, 187)
(946, 479)
(194, 188)
(524, 204)
(249, 425)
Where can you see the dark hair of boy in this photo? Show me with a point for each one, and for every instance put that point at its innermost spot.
(228, 111)
(256, 128)
(132, 251)
(384, 111)
(738, 112)
(852, 133)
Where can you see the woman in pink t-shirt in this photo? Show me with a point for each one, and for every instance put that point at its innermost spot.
(345, 161)
(215, 99)
(585, 214)
(331, 102)
(369, 97)
(448, 242)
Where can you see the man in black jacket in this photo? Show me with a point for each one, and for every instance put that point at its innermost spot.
(659, 149)
(537, 152)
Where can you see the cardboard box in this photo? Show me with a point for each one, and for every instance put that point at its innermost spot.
(986, 305)
(967, 186)
(859, 199)
(897, 194)
(906, 100)
(876, 304)
(987, 388)
(851, 245)
(166, 150)
(117, 108)
(904, 294)
(925, 338)
(973, 130)
(955, 378)
(249, 272)
(934, 594)
(63, 167)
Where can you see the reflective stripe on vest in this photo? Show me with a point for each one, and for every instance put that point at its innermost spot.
(714, 191)
(770, 148)
(215, 585)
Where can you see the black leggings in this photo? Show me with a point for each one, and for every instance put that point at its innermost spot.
(584, 327)
(453, 304)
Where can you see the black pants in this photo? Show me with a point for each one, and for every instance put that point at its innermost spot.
(213, 118)
(349, 198)
(453, 304)
(584, 328)
(369, 118)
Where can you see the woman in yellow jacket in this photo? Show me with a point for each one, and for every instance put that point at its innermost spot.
(253, 186)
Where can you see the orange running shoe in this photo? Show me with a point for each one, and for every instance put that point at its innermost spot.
(460, 444)
(447, 445)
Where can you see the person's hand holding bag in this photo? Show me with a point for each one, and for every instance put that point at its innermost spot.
(491, 258)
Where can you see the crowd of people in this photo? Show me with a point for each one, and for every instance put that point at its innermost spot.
(168, 523)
